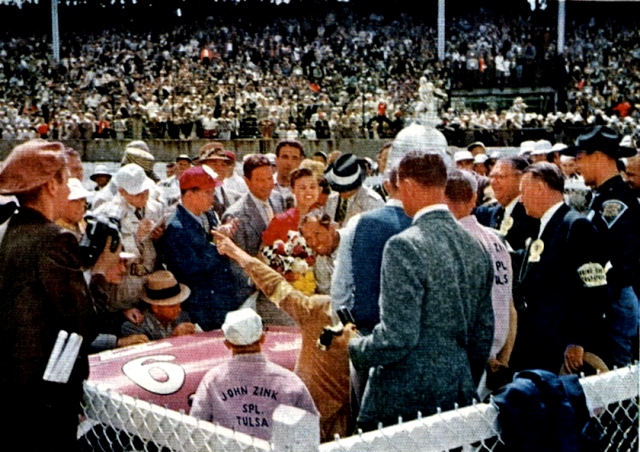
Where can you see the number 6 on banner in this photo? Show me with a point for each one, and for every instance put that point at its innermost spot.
(155, 374)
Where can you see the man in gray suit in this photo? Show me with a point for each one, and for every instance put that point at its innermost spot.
(254, 211)
(436, 319)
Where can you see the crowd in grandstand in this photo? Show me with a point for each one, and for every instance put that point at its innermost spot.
(225, 77)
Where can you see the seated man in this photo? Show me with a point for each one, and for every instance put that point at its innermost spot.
(163, 316)
(242, 393)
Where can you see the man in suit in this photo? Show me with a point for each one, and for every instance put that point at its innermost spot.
(345, 177)
(436, 320)
(189, 253)
(254, 211)
(356, 281)
(561, 289)
(509, 216)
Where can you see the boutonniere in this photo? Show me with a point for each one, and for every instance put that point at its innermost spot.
(536, 249)
(507, 223)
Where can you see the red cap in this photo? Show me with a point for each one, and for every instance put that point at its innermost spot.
(198, 177)
(230, 154)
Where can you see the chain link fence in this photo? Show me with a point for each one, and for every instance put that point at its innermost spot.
(117, 422)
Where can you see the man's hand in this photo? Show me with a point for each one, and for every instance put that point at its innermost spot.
(573, 358)
(229, 227)
(134, 315)
(184, 329)
(226, 247)
(349, 331)
(157, 232)
(144, 229)
(134, 339)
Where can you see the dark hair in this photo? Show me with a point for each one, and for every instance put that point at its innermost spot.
(516, 162)
(322, 218)
(461, 186)
(292, 143)
(321, 155)
(426, 168)
(548, 173)
(324, 185)
(298, 174)
(253, 162)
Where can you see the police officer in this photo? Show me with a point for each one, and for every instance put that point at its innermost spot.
(616, 214)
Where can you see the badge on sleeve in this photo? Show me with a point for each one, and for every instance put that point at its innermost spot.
(612, 210)
(592, 274)
(537, 247)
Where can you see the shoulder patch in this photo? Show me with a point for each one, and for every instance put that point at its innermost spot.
(612, 210)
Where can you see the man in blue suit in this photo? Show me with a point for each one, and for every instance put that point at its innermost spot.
(189, 253)
(359, 288)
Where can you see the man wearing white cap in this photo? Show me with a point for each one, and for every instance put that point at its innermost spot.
(101, 176)
(141, 222)
(72, 217)
(540, 150)
(242, 393)
(464, 160)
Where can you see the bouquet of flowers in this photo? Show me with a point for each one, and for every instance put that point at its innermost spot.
(294, 260)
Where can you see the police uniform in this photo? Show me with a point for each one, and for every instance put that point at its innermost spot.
(616, 214)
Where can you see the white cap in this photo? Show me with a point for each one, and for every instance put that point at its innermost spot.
(566, 158)
(77, 190)
(459, 156)
(480, 158)
(242, 327)
(541, 147)
(558, 147)
(526, 147)
(132, 179)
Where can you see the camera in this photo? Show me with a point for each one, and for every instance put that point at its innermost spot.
(329, 332)
(95, 238)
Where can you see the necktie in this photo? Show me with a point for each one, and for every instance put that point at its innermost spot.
(269, 211)
(341, 211)
(139, 214)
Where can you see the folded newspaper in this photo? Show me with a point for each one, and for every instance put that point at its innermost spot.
(63, 357)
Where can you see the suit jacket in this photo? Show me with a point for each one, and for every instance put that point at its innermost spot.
(372, 232)
(249, 233)
(189, 253)
(43, 291)
(560, 298)
(365, 199)
(436, 322)
(523, 226)
(224, 198)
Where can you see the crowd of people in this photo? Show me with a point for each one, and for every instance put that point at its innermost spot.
(436, 283)
(416, 287)
(281, 77)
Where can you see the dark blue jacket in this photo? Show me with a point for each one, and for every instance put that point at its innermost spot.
(190, 255)
(542, 412)
(372, 232)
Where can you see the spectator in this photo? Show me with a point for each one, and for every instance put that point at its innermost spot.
(346, 177)
(189, 254)
(101, 176)
(72, 217)
(163, 316)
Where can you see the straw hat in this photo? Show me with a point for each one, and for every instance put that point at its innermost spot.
(162, 289)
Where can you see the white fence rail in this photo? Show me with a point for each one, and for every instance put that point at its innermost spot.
(116, 422)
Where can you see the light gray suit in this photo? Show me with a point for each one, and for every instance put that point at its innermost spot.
(436, 322)
(249, 233)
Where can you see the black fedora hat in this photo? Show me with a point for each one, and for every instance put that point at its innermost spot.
(600, 138)
(345, 174)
